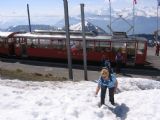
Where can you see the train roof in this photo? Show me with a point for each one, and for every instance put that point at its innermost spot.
(79, 37)
(6, 34)
(130, 39)
(72, 36)
(62, 36)
(51, 32)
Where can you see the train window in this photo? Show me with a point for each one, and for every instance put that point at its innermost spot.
(1, 40)
(32, 42)
(29, 41)
(21, 39)
(35, 41)
(55, 43)
(10, 40)
(17, 40)
(61, 44)
(105, 46)
(131, 45)
(90, 45)
(116, 46)
(97, 46)
(44, 43)
(79, 45)
(131, 48)
(76, 44)
(140, 49)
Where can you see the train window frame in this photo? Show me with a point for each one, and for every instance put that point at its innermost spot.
(1, 39)
(76, 44)
(44, 43)
(105, 46)
(10, 40)
(140, 48)
(131, 50)
(61, 44)
(2, 42)
(97, 46)
(33, 42)
(55, 43)
(90, 46)
(118, 46)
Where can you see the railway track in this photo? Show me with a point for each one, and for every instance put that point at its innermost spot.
(40, 62)
(138, 70)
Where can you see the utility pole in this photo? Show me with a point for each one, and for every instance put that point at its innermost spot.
(133, 18)
(157, 24)
(29, 22)
(134, 3)
(66, 16)
(84, 42)
(110, 16)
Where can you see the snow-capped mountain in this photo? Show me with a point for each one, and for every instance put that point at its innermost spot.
(89, 27)
(25, 28)
(145, 20)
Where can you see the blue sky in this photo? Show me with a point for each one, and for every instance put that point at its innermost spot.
(53, 9)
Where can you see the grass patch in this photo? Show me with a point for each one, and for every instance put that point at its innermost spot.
(19, 70)
(21, 75)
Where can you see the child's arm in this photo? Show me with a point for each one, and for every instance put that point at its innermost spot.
(98, 86)
(116, 85)
(97, 90)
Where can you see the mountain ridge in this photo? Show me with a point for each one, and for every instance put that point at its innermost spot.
(145, 20)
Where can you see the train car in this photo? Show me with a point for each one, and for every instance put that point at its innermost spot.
(52, 45)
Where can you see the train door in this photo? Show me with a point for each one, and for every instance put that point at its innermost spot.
(119, 46)
(11, 46)
(131, 53)
(23, 47)
(141, 52)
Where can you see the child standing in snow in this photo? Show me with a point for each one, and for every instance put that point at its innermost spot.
(105, 82)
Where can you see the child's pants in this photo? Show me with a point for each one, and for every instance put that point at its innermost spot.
(103, 94)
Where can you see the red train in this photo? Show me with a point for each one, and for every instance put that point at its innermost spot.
(44, 44)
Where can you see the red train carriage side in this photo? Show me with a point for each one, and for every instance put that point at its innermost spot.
(6, 43)
(53, 46)
(42, 46)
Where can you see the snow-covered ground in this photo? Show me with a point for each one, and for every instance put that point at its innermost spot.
(136, 98)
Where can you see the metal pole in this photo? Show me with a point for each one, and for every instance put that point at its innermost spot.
(29, 18)
(133, 17)
(157, 25)
(84, 42)
(68, 39)
(110, 16)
